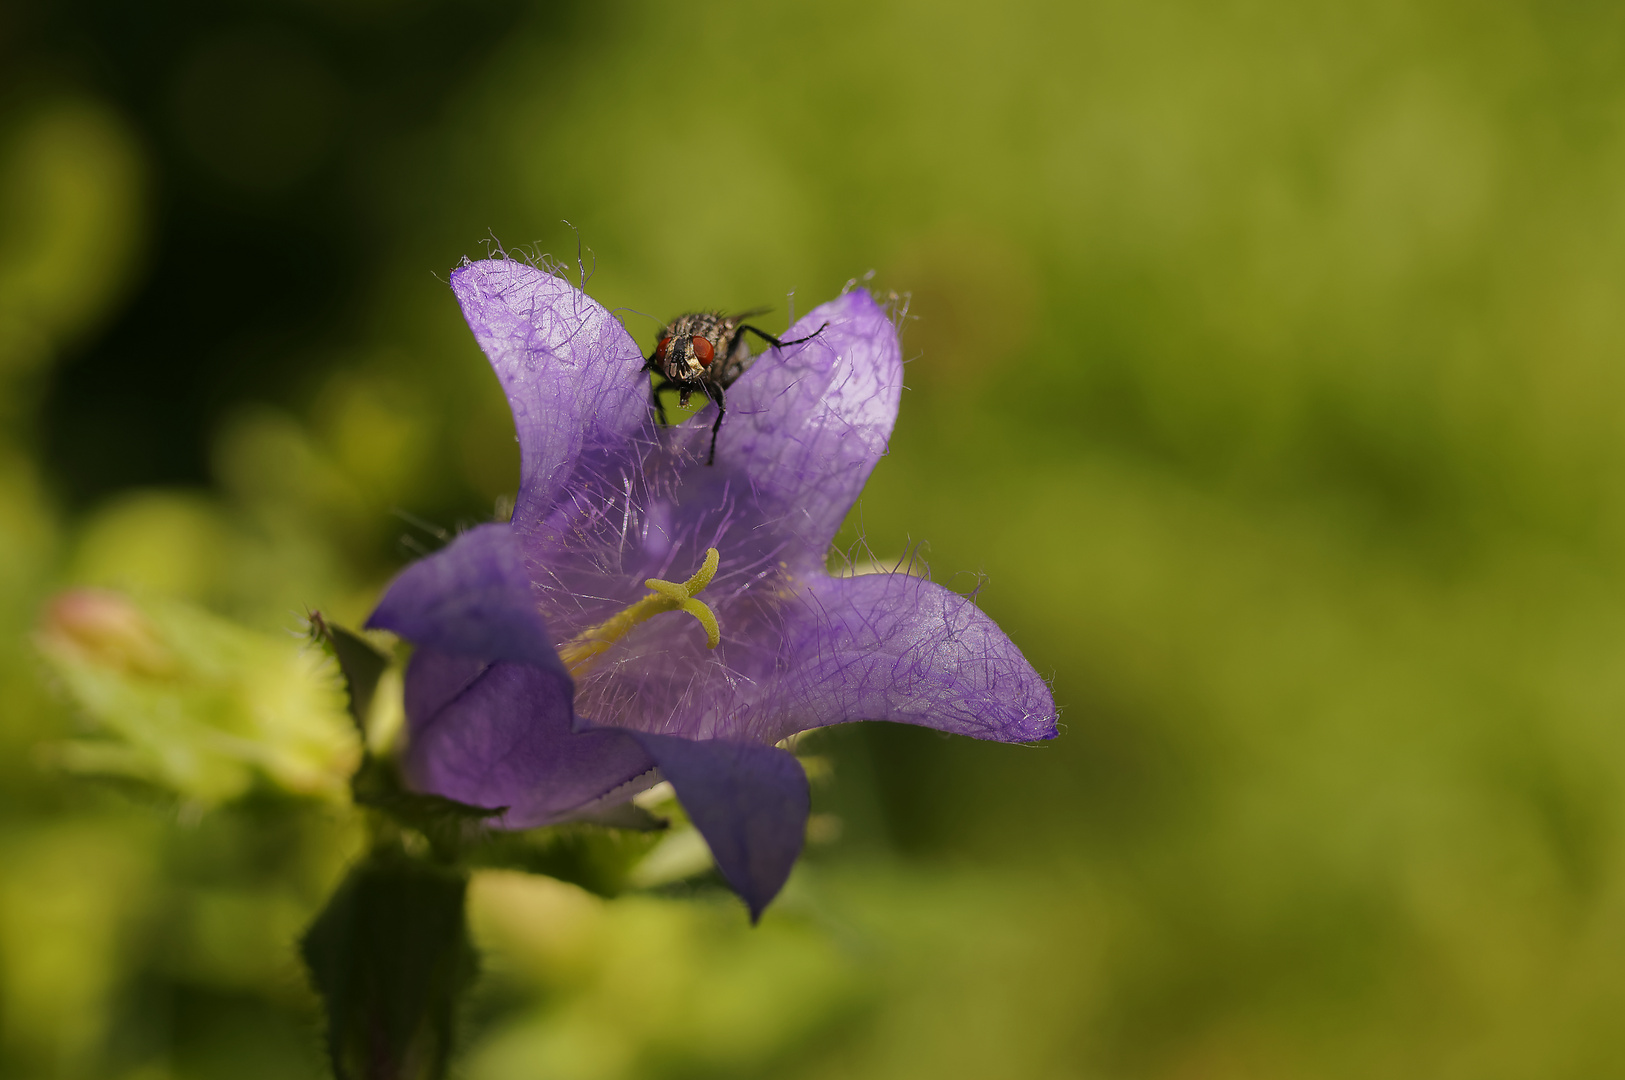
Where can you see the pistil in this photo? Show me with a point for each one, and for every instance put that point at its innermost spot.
(580, 651)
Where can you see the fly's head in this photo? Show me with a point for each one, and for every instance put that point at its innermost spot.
(691, 344)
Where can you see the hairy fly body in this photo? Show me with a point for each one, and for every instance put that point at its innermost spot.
(706, 352)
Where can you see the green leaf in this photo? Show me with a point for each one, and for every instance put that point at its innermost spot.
(390, 956)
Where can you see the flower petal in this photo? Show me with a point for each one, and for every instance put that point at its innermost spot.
(500, 735)
(471, 598)
(901, 648)
(573, 375)
(808, 422)
(749, 802)
(489, 704)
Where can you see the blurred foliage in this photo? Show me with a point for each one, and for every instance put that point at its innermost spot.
(71, 194)
(1263, 357)
(194, 704)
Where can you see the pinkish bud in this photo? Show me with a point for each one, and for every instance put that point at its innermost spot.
(105, 629)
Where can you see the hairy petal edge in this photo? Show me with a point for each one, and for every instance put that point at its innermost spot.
(573, 375)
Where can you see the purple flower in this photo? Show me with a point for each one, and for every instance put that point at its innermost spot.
(643, 611)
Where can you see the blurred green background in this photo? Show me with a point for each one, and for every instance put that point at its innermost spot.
(1267, 366)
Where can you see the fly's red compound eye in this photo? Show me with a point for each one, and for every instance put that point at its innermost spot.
(703, 350)
(660, 349)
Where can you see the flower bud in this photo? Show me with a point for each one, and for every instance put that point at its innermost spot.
(105, 629)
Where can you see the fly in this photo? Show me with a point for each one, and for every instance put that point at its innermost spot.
(706, 352)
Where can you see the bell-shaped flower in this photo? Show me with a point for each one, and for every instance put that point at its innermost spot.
(647, 615)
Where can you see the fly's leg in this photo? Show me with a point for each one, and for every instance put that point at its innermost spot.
(776, 343)
(739, 355)
(714, 392)
(655, 386)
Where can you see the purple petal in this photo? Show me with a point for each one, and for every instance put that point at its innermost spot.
(573, 375)
(901, 648)
(488, 702)
(749, 802)
(500, 735)
(807, 423)
(471, 598)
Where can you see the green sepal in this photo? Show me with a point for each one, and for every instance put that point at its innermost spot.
(449, 826)
(390, 956)
(360, 664)
(597, 858)
(626, 815)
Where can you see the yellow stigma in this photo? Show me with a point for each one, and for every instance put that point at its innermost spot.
(579, 652)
